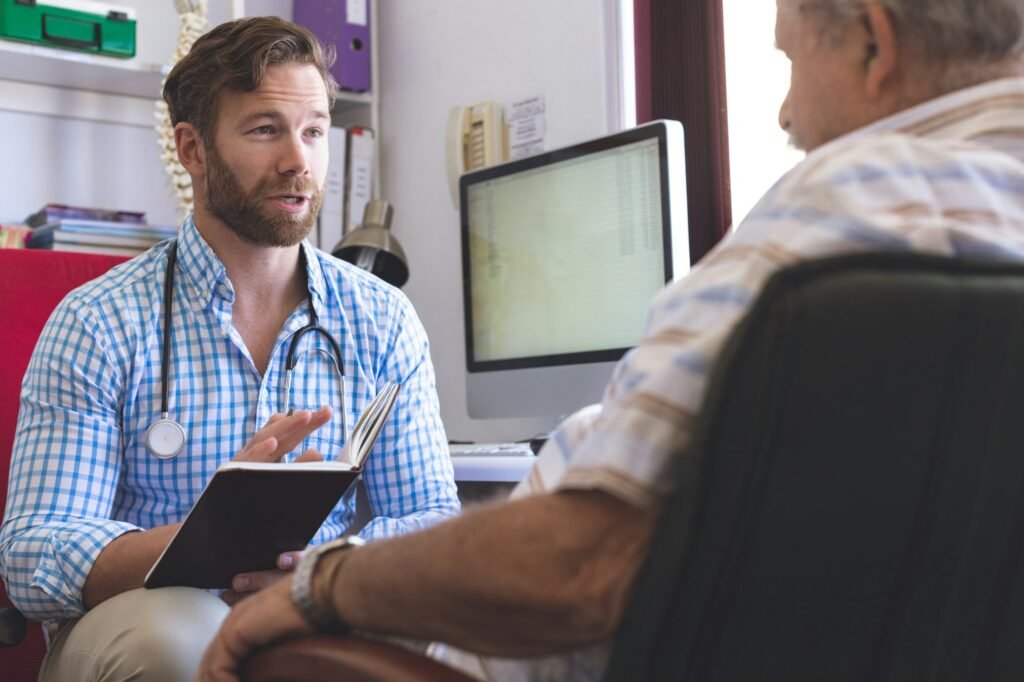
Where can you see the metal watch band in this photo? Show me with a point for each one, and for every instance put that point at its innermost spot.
(319, 615)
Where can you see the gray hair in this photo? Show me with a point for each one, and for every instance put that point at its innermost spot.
(977, 31)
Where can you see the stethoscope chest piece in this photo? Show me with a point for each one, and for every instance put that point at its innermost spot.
(165, 438)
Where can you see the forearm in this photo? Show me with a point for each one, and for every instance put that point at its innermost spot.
(530, 577)
(124, 563)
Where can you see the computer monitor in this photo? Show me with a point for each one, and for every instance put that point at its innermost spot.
(562, 254)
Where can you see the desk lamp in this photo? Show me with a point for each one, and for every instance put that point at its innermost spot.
(372, 247)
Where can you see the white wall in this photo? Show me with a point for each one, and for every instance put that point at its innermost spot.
(82, 163)
(435, 54)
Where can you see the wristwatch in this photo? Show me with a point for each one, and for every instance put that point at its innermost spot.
(319, 615)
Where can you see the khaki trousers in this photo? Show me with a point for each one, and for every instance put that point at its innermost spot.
(147, 635)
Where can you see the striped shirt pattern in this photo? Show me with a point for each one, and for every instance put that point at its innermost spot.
(945, 177)
(80, 472)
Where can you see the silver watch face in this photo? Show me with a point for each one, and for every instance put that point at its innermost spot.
(337, 543)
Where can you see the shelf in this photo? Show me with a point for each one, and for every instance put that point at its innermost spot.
(352, 108)
(353, 99)
(82, 71)
(79, 70)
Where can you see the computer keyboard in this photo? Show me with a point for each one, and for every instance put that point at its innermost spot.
(490, 449)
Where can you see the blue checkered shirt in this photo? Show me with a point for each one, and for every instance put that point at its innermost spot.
(80, 472)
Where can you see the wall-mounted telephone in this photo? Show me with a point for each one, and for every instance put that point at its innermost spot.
(476, 138)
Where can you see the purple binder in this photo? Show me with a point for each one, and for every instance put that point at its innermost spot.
(346, 25)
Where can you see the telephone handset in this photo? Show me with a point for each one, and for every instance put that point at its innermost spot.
(476, 138)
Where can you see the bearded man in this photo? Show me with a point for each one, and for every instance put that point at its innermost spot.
(92, 503)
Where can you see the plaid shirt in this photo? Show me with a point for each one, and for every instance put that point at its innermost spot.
(945, 177)
(80, 472)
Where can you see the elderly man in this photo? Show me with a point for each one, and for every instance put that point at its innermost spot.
(912, 112)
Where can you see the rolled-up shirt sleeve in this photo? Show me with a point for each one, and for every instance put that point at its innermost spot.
(65, 466)
(409, 478)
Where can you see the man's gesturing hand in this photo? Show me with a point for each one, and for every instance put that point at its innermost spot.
(281, 434)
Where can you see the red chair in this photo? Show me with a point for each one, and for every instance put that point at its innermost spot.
(32, 283)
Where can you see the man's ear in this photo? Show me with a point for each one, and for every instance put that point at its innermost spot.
(191, 151)
(880, 53)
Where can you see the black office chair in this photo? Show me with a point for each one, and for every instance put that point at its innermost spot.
(857, 506)
(860, 514)
(13, 626)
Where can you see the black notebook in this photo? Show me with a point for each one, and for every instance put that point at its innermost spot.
(249, 513)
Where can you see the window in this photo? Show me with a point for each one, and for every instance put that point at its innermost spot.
(680, 68)
(757, 78)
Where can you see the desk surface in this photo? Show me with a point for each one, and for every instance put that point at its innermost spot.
(496, 468)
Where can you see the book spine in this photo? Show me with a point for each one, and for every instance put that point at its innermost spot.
(99, 239)
(54, 212)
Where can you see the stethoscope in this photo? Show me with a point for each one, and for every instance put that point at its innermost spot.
(165, 437)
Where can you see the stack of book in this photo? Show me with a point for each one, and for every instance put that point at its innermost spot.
(70, 228)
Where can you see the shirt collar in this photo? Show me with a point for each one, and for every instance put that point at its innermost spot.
(200, 267)
(207, 276)
(968, 113)
(315, 279)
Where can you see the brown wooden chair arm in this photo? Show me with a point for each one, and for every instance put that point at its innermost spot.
(344, 659)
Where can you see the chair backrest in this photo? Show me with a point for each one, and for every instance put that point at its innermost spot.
(859, 513)
(32, 283)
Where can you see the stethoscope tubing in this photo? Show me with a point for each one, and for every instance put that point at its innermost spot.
(165, 438)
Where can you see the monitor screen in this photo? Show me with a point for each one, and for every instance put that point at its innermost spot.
(562, 254)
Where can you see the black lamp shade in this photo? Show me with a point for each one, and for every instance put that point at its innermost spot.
(384, 264)
(372, 246)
